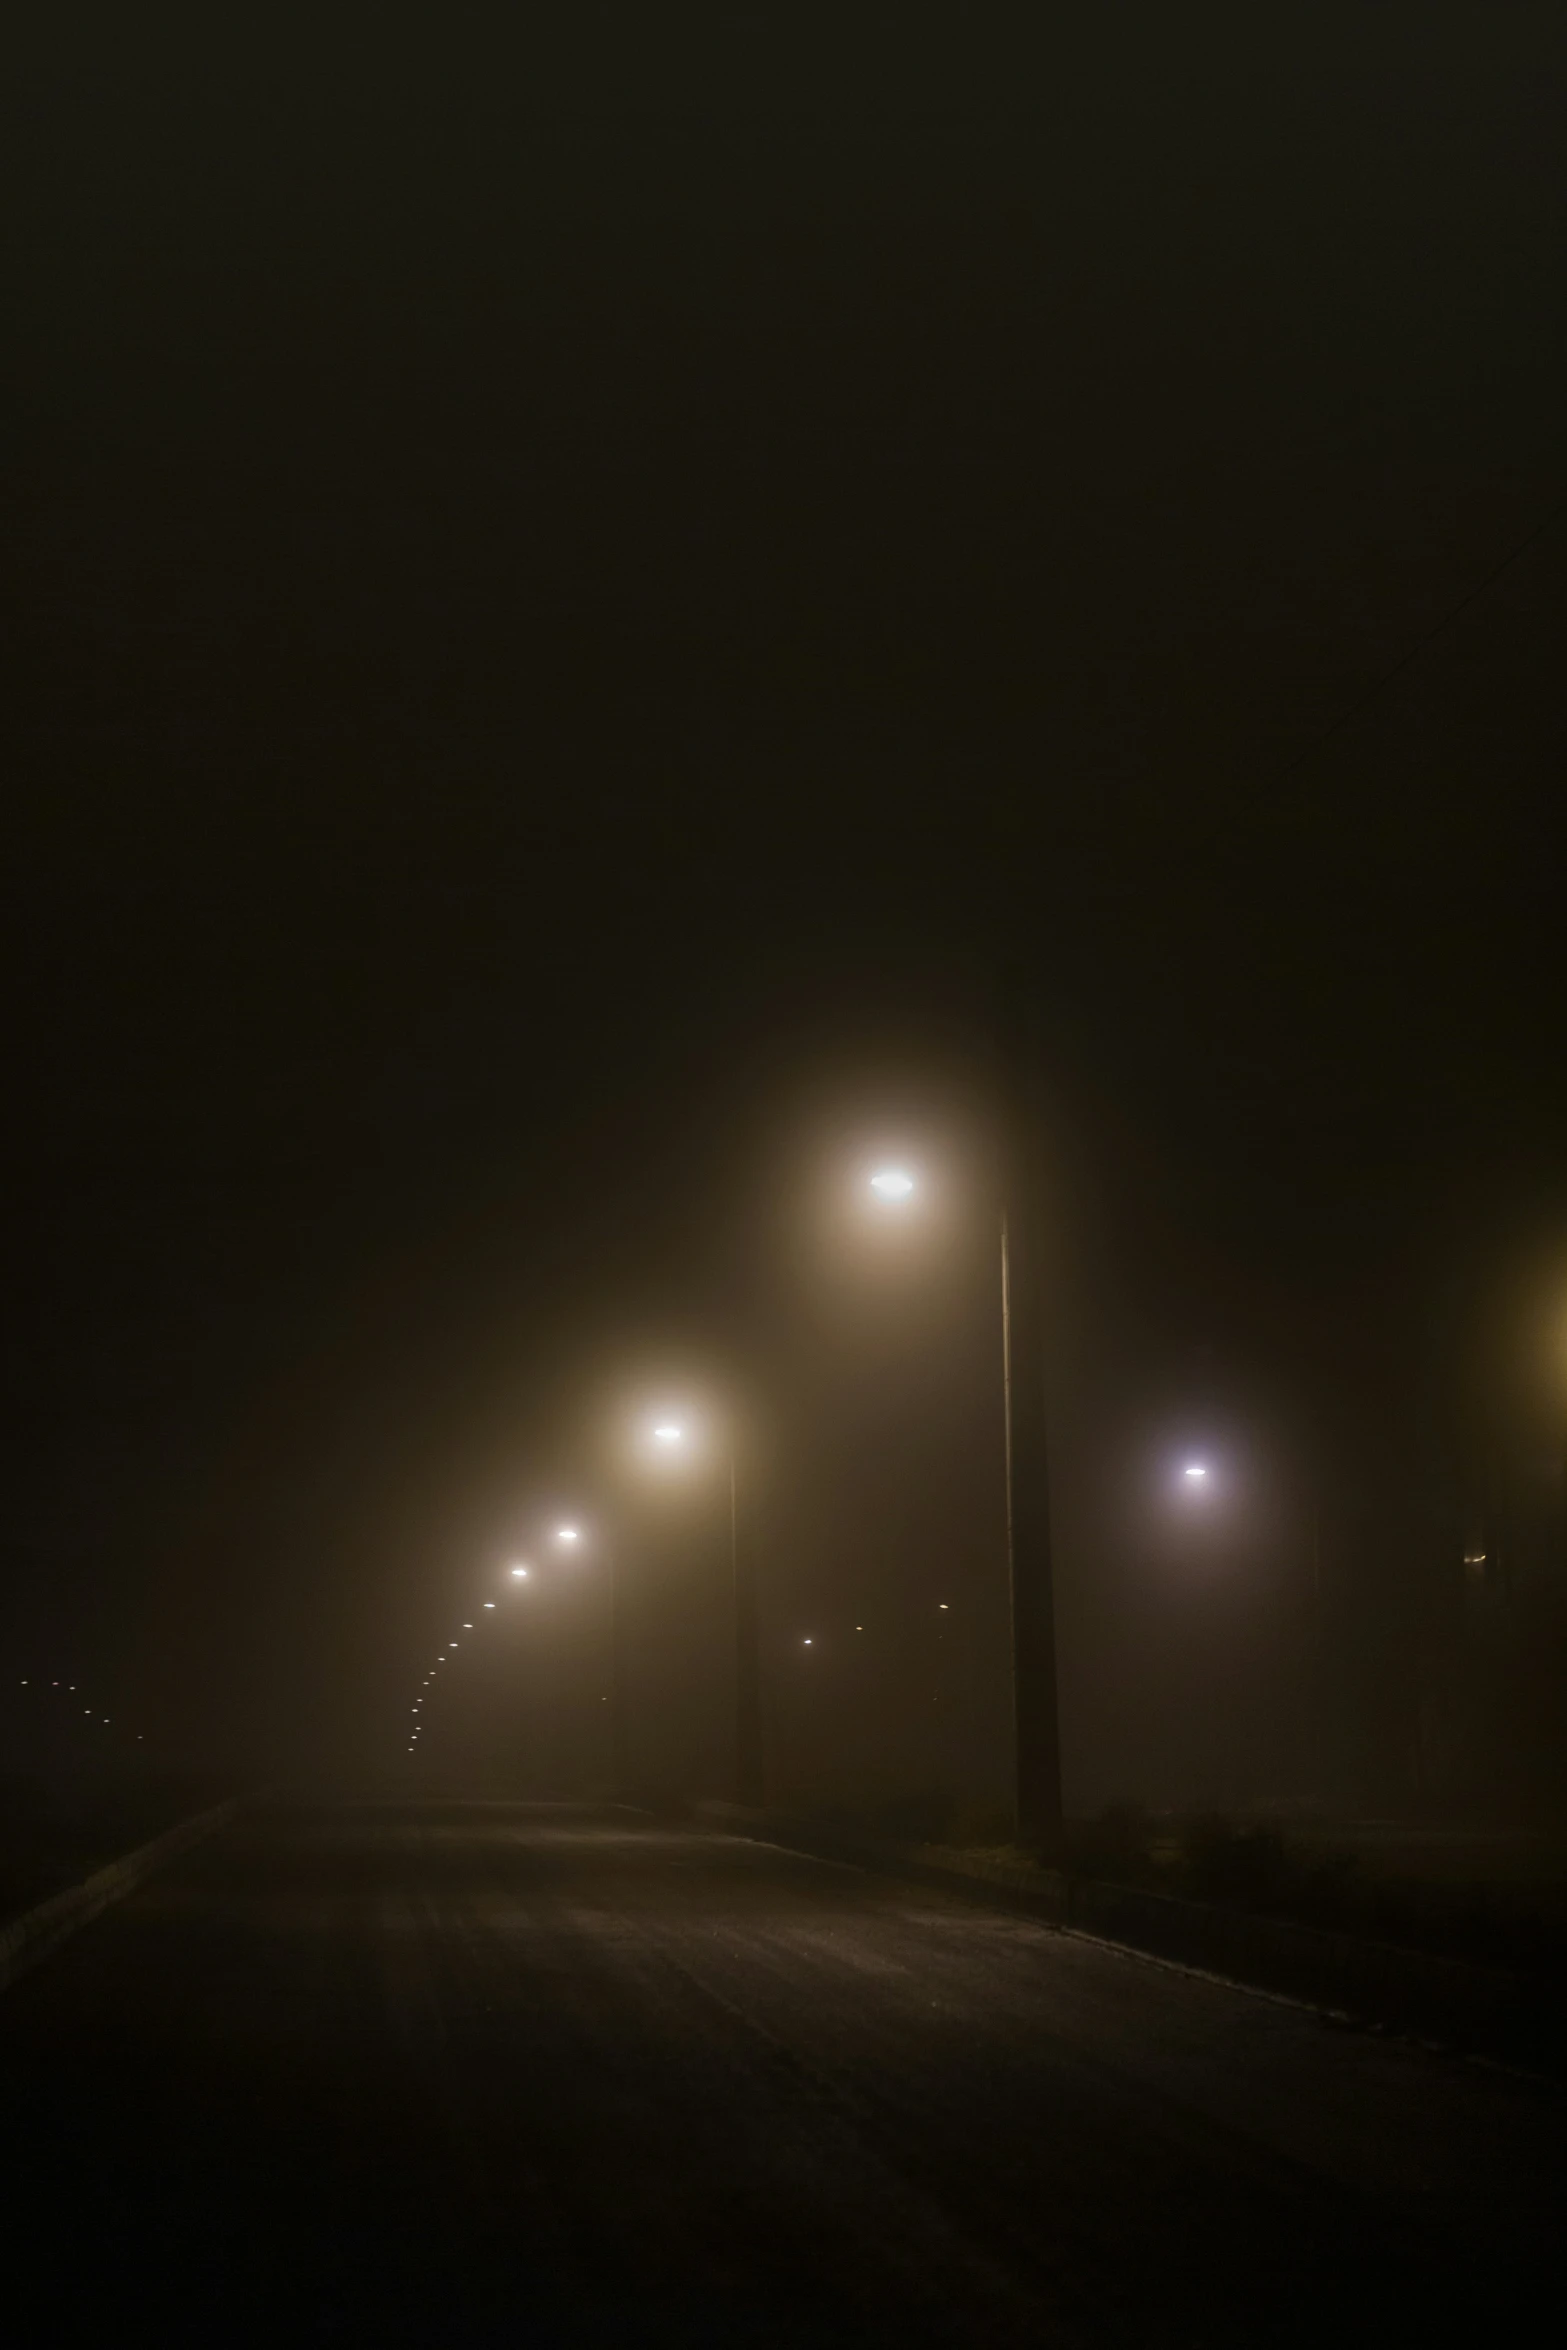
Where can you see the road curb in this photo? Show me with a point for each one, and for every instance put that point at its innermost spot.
(29, 1938)
(1483, 2011)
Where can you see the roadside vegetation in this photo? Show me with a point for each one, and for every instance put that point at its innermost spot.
(55, 1831)
(1489, 1895)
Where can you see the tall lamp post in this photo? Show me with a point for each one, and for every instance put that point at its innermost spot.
(670, 1435)
(1035, 1706)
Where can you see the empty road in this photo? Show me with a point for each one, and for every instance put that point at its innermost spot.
(474, 2073)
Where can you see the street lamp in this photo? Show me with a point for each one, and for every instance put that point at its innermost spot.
(893, 1184)
(671, 1436)
(1035, 1703)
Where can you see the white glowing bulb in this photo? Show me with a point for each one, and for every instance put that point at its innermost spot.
(806, 1642)
(1194, 1473)
(566, 1533)
(667, 1432)
(520, 1573)
(489, 1603)
(892, 1183)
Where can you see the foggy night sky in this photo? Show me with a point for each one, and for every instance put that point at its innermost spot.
(577, 579)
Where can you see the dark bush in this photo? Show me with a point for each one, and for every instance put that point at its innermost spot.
(922, 1817)
(1224, 1862)
(1115, 1845)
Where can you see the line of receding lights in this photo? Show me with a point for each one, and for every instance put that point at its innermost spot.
(809, 1640)
(70, 1689)
(569, 1536)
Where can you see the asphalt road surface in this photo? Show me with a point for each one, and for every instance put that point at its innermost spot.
(509, 2073)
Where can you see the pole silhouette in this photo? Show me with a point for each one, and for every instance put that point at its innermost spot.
(1035, 1703)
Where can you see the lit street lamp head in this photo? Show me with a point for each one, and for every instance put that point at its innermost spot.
(1195, 1473)
(519, 1574)
(892, 1184)
(567, 1534)
(667, 1433)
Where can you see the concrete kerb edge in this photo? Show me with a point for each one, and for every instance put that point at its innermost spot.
(1442, 2002)
(29, 1938)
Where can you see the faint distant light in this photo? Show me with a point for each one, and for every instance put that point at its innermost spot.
(520, 1572)
(489, 1603)
(1474, 1558)
(87, 1709)
(667, 1433)
(467, 1627)
(859, 1627)
(941, 1603)
(567, 1533)
(892, 1183)
(1194, 1473)
(806, 1642)
(454, 1644)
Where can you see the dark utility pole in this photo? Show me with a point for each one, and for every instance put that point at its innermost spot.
(1035, 1708)
(749, 1784)
(619, 1725)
